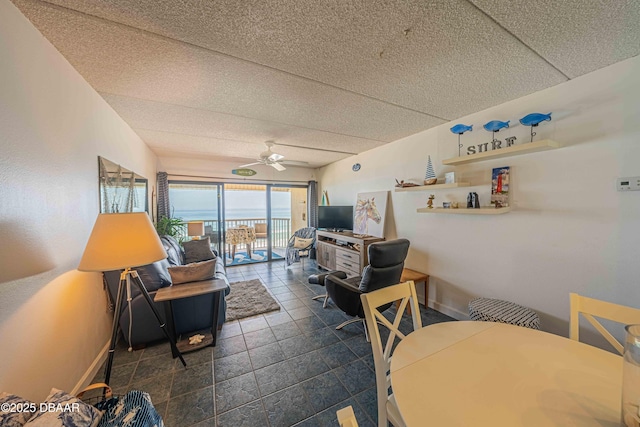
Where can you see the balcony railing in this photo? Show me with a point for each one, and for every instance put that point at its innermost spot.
(280, 230)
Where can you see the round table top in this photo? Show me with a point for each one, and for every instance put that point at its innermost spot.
(495, 374)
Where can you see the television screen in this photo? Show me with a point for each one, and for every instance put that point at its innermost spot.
(335, 217)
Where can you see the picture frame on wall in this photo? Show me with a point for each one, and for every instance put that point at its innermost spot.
(369, 213)
(500, 186)
(449, 177)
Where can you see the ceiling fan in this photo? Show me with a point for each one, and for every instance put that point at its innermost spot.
(272, 159)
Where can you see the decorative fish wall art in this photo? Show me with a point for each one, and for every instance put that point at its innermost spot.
(533, 120)
(496, 125)
(459, 129)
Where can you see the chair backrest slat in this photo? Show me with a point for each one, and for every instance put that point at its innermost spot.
(406, 294)
(590, 307)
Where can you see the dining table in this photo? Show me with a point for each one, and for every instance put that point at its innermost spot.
(241, 234)
(467, 373)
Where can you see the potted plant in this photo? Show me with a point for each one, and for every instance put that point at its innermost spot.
(173, 227)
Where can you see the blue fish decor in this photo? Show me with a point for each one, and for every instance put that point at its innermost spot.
(534, 119)
(494, 126)
(459, 129)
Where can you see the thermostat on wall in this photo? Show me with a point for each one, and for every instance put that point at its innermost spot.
(629, 184)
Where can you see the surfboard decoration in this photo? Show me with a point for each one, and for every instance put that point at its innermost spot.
(244, 172)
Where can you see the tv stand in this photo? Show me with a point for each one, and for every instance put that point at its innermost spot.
(350, 255)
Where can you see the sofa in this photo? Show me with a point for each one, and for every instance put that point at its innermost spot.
(190, 314)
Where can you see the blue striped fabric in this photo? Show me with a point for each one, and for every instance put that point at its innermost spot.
(134, 409)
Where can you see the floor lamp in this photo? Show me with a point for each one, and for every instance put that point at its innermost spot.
(119, 242)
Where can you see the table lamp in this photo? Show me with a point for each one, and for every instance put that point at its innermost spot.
(195, 229)
(120, 241)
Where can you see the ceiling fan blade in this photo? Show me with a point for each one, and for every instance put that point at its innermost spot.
(250, 164)
(277, 166)
(274, 157)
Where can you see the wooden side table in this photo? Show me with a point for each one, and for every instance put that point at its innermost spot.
(417, 277)
(187, 290)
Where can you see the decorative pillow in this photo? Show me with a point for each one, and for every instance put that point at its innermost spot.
(133, 409)
(198, 250)
(300, 243)
(15, 411)
(63, 410)
(192, 272)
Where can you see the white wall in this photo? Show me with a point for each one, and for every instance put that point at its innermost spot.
(53, 319)
(570, 230)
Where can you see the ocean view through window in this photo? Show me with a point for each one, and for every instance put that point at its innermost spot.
(227, 206)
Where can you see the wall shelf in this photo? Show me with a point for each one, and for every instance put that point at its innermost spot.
(467, 211)
(514, 150)
(433, 187)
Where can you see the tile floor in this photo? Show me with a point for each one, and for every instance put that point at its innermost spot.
(286, 368)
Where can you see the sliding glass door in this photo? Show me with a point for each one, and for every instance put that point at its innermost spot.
(245, 217)
(247, 223)
(198, 201)
(288, 214)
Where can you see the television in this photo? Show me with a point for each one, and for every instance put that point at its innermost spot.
(335, 217)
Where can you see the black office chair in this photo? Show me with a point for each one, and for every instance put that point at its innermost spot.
(386, 261)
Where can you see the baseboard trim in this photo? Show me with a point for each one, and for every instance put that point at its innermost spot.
(91, 372)
(449, 311)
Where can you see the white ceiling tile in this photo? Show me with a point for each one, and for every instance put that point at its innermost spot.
(121, 60)
(341, 75)
(149, 115)
(164, 143)
(576, 36)
(440, 68)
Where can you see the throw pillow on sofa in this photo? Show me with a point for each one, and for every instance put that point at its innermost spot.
(17, 413)
(193, 272)
(198, 250)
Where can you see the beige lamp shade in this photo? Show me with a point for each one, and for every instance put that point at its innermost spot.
(195, 228)
(121, 240)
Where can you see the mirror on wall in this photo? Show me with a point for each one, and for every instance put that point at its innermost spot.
(121, 190)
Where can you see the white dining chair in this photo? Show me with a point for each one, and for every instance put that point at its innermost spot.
(346, 417)
(590, 307)
(406, 294)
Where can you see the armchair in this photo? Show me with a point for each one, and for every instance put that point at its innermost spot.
(386, 261)
(296, 244)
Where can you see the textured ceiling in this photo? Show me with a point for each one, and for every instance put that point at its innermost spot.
(324, 79)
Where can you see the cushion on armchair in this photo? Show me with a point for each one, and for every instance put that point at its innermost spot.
(300, 243)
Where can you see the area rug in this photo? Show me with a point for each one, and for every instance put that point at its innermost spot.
(249, 298)
(256, 256)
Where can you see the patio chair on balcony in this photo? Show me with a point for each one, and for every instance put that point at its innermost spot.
(212, 235)
(261, 233)
(301, 241)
